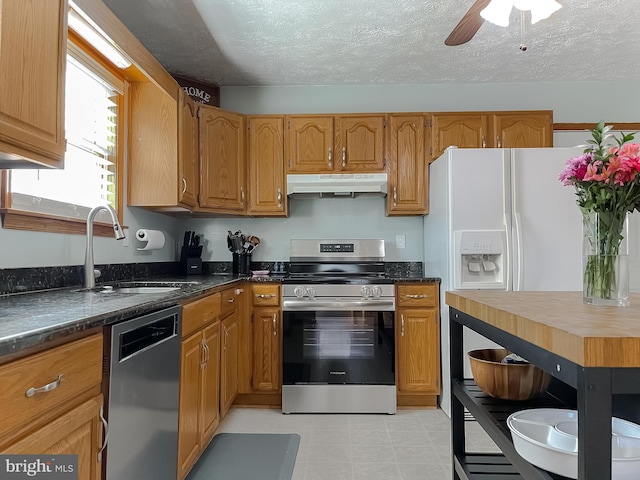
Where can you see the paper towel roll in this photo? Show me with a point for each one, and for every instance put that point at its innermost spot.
(154, 239)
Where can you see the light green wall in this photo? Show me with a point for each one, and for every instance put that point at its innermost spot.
(570, 101)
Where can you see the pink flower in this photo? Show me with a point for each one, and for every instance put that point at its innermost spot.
(629, 152)
(575, 169)
(593, 175)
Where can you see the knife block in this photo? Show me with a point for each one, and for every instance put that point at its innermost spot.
(190, 261)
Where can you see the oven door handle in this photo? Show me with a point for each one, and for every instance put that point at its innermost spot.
(366, 305)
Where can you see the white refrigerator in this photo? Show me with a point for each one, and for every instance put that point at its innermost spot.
(500, 219)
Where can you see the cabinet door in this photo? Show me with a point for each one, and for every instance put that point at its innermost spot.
(192, 364)
(229, 363)
(407, 194)
(267, 327)
(222, 160)
(523, 129)
(33, 48)
(188, 165)
(418, 369)
(309, 144)
(360, 143)
(153, 147)
(210, 400)
(77, 432)
(267, 194)
(462, 130)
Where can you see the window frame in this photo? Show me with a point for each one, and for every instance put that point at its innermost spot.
(15, 219)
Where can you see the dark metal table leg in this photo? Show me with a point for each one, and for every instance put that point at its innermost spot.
(457, 409)
(594, 423)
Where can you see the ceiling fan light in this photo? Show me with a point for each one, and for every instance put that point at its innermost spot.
(498, 12)
(543, 9)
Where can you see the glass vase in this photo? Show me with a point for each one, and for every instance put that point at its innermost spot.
(605, 259)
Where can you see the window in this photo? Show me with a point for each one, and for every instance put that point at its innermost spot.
(93, 107)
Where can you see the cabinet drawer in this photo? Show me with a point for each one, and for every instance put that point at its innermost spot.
(266, 295)
(418, 295)
(68, 371)
(196, 315)
(230, 301)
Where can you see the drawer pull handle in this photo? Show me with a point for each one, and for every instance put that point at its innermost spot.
(402, 325)
(47, 388)
(106, 434)
(275, 325)
(265, 295)
(417, 296)
(231, 300)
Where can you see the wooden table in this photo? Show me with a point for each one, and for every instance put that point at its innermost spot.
(592, 352)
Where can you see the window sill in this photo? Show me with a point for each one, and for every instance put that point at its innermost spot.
(37, 222)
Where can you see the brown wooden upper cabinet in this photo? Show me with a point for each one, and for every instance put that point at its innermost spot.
(222, 160)
(334, 144)
(523, 129)
(33, 59)
(514, 129)
(265, 147)
(153, 179)
(189, 147)
(407, 189)
(463, 130)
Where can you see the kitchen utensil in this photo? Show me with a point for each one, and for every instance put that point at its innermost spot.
(236, 241)
(229, 242)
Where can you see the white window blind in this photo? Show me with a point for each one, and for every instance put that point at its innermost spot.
(89, 174)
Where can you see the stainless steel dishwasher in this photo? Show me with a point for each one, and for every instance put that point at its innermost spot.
(142, 379)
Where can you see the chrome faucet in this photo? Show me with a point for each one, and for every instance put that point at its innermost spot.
(90, 273)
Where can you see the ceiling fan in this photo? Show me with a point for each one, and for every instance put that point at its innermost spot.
(497, 12)
(468, 25)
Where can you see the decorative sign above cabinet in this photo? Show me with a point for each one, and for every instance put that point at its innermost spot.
(200, 92)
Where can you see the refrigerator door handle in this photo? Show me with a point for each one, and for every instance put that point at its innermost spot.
(508, 269)
(518, 231)
(507, 205)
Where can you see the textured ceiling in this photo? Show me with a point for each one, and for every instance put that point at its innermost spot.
(360, 42)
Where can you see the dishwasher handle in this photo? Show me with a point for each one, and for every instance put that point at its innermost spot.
(146, 336)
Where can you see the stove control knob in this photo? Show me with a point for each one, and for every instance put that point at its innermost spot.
(376, 291)
(365, 292)
(311, 292)
(299, 292)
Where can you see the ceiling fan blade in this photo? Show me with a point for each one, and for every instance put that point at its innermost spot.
(468, 25)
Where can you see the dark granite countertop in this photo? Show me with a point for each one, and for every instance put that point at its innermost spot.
(29, 320)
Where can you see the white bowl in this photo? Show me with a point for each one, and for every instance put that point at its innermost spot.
(548, 438)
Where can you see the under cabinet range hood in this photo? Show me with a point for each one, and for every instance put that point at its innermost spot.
(337, 184)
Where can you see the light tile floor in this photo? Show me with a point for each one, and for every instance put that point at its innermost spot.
(411, 445)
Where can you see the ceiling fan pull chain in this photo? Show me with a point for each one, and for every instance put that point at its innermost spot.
(523, 45)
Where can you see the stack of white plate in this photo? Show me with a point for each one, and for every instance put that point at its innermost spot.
(548, 438)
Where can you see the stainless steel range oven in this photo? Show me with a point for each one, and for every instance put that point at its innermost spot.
(338, 329)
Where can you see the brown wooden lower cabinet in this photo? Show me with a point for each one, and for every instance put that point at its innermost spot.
(228, 362)
(65, 418)
(417, 344)
(199, 411)
(77, 432)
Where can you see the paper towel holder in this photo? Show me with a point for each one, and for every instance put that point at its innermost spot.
(154, 238)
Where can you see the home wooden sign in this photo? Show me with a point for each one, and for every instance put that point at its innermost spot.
(200, 92)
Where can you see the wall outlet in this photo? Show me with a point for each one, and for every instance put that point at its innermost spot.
(400, 241)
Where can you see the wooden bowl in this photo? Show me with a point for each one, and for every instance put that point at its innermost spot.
(507, 381)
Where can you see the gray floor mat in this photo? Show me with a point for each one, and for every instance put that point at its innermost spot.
(248, 456)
